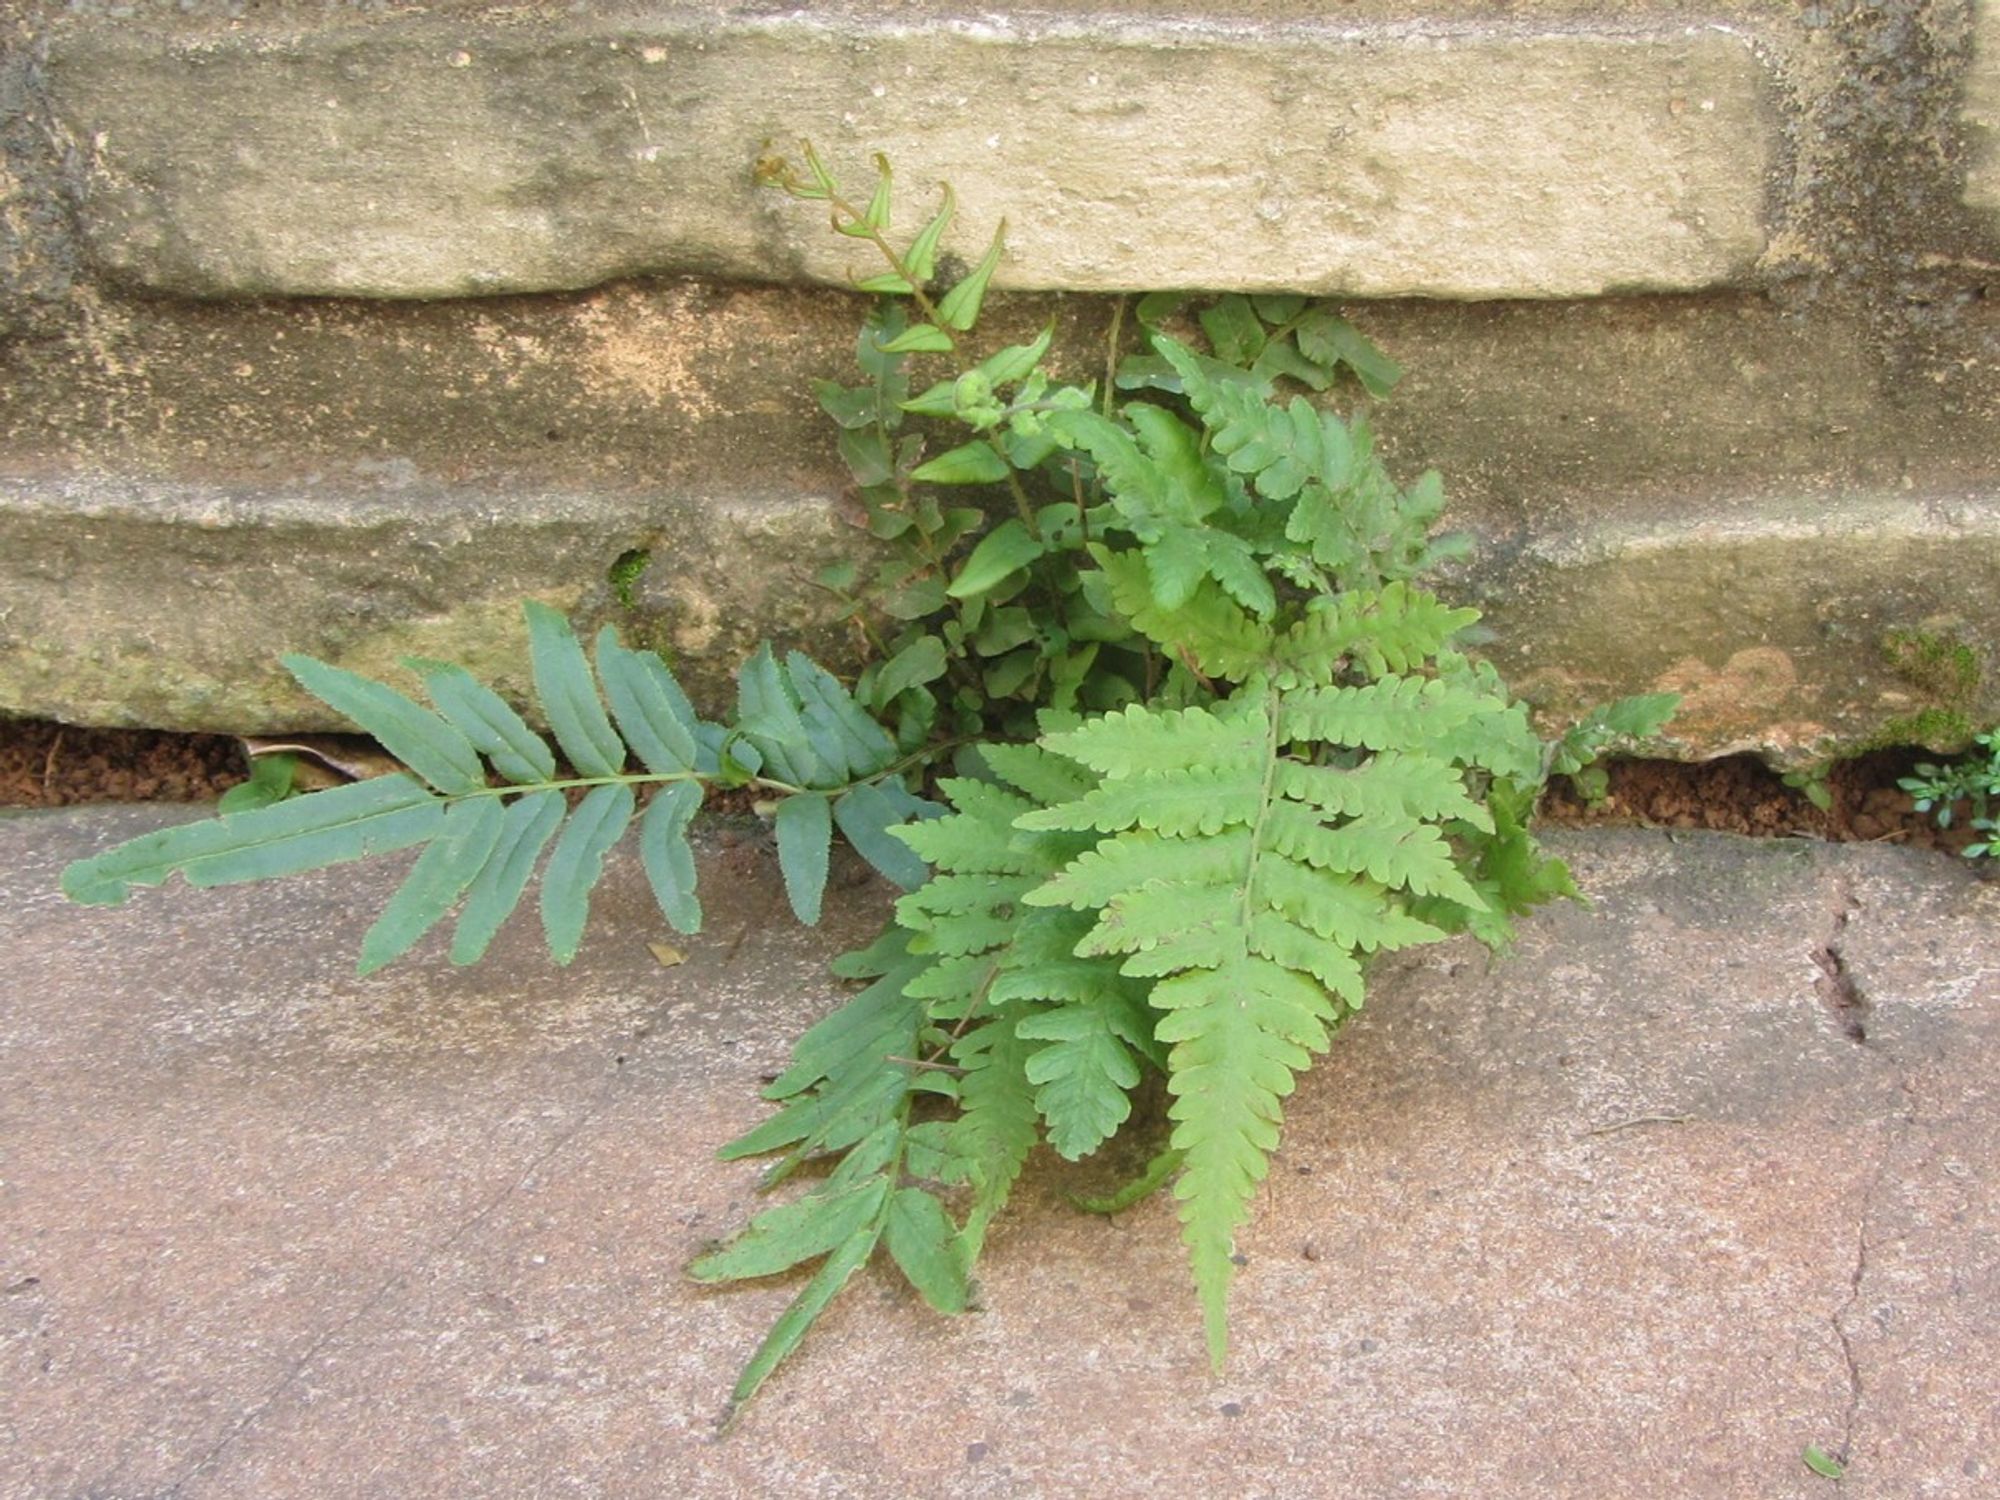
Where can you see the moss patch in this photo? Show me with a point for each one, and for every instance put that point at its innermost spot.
(625, 572)
(1946, 668)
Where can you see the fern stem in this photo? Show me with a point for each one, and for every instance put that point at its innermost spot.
(896, 263)
(926, 1063)
(1150, 1180)
(1111, 355)
(925, 756)
(1022, 505)
(1271, 743)
(643, 778)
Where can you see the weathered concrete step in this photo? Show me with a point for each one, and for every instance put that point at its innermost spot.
(1796, 630)
(1982, 111)
(1630, 1212)
(1531, 410)
(134, 602)
(450, 155)
(415, 468)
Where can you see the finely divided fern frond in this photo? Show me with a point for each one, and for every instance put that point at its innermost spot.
(1259, 849)
(974, 1000)
(483, 798)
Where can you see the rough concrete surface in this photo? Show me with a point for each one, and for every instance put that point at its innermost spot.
(1798, 631)
(439, 156)
(1981, 112)
(359, 481)
(1694, 1179)
(37, 256)
(170, 605)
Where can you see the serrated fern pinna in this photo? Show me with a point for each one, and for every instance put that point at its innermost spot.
(1213, 748)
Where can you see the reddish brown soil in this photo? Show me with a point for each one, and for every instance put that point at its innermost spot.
(50, 765)
(54, 765)
(1740, 794)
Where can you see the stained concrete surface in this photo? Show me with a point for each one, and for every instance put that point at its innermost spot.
(434, 156)
(1695, 1178)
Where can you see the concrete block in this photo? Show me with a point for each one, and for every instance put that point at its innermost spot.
(419, 156)
(1796, 630)
(1980, 112)
(1659, 485)
(125, 601)
(1628, 1212)
(37, 254)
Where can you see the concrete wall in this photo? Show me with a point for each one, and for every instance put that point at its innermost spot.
(341, 327)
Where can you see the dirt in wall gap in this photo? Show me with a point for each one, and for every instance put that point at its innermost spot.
(43, 764)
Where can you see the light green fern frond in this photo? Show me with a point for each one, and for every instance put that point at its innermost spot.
(1210, 631)
(1257, 853)
(1396, 628)
(1280, 449)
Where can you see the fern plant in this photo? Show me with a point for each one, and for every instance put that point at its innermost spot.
(1201, 745)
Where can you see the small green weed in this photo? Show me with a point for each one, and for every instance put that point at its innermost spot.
(270, 782)
(1974, 780)
(625, 572)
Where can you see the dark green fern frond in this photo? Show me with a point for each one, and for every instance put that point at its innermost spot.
(484, 797)
(976, 1002)
(839, 1088)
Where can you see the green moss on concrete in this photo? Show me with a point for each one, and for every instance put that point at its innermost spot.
(1941, 664)
(625, 572)
(1944, 730)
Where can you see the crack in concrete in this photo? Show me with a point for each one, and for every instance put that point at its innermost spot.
(375, 1299)
(1846, 1310)
(1836, 986)
(1863, 1245)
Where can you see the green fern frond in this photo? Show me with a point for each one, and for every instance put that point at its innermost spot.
(449, 864)
(1261, 847)
(501, 882)
(1240, 1032)
(1392, 629)
(490, 723)
(1210, 631)
(1151, 466)
(484, 799)
(998, 1121)
(840, 1087)
(1280, 449)
(975, 999)
(1391, 713)
(843, 1220)
(287, 838)
(1084, 1075)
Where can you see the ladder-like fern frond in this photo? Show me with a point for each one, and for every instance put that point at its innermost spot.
(483, 796)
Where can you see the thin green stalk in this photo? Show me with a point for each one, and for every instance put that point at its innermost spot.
(1111, 356)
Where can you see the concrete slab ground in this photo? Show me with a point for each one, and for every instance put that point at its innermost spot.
(1694, 1179)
